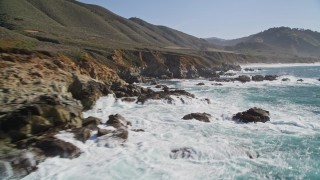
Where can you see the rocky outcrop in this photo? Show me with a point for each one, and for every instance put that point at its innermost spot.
(163, 95)
(40, 115)
(271, 77)
(243, 78)
(87, 91)
(116, 131)
(258, 78)
(52, 147)
(203, 117)
(252, 115)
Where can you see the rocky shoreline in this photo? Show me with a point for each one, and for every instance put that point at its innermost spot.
(42, 94)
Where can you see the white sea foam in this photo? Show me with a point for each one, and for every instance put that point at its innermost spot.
(221, 149)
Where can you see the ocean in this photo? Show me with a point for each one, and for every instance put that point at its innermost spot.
(286, 147)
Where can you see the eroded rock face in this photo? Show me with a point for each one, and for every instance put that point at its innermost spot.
(203, 117)
(43, 113)
(252, 115)
(87, 91)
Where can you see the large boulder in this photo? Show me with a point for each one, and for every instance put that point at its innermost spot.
(257, 78)
(243, 78)
(270, 77)
(252, 115)
(91, 123)
(203, 117)
(117, 121)
(52, 147)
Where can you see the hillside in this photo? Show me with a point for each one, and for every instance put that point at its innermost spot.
(276, 41)
(70, 22)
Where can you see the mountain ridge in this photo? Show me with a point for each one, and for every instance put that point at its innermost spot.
(278, 40)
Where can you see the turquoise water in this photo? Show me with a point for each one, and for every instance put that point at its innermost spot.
(286, 147)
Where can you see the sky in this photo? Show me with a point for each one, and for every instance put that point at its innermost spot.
(227, 19)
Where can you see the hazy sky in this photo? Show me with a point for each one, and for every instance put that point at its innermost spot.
(220, 18)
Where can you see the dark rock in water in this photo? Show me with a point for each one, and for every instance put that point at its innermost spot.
(285, 79)
(163, 95)
(81, 134)
(257, 78)
(102, 132)
(200, 84)
(230, 74)
(117, 121)
(228, 67)
(128, 99)
(91, 123)
(252, 115)
(159, 86)
(217, 84)
(300, 80)
(183, 153)
(204, 117)
(222, 79)
(117, 133)
(52, 147)
(243, 78)
(319, 79)
(248, 69)
(259, 69)
(138, 130)
(270, 77)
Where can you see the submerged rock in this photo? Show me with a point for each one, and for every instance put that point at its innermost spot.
(200, 84)
(300, 80)
(285, 79)
(252, 115)
(183, 153)
(203, 117)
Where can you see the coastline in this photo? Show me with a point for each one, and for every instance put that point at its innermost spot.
(275, 65)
